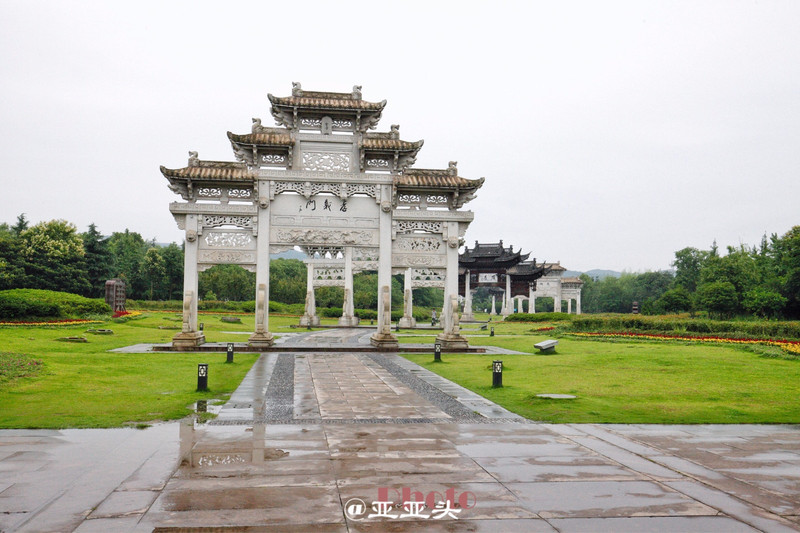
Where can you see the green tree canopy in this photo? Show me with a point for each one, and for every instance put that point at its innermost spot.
(53, 257)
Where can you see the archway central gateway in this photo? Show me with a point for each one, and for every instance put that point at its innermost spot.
(321, 181)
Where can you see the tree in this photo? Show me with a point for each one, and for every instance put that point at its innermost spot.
(764, 303)
(153, 270)
(53, 257)
(688, 263)
(98, 261)
(228, 283)
(718, 298)
(128, 249)
(173, 265)
(675, 300)
(787, 265)
(21, 225)
(287, 281)
(12, 274)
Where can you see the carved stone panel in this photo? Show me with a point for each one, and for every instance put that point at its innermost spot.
(324, 237)
(418, 244)
(326, 161)
(219, 257)
(211, 221)
(222, 240)
(324, 220)
(418, 260)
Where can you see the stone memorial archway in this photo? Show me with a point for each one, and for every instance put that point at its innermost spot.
(320, 179)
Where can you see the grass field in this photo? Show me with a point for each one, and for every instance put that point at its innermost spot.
(631, 382)
(85, 385)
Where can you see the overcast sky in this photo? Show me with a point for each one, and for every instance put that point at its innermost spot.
(611, 134)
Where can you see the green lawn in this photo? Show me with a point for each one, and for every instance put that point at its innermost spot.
(631, 382)
(85, 385)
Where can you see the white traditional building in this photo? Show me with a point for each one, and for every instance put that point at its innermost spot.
(320, 180)
(558, 288)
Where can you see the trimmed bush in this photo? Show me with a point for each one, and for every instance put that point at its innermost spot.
(639, 323)
(36, 303)
(538, 317)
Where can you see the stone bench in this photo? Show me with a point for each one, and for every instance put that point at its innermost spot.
(548, 346)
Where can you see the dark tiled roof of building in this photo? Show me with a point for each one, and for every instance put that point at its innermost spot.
(372, 142)
(555, 267)
(526, 269)
(435, 178)
(326, 101)
(211, 170)
(266, 137)
(494, 251)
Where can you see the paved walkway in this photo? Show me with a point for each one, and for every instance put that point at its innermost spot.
(316, 441)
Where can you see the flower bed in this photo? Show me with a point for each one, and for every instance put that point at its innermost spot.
(792, 347)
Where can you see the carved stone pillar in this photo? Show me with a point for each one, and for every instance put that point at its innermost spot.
(348, 317)
(557, 299)
(531, 299)
(383, 338)
(493, 311)
(262, 338)
(569, 306)
(190, 337)
(450, 336)
(507, 303)
(578, 304)
(408, 320)
(310, 317)
(467, 314)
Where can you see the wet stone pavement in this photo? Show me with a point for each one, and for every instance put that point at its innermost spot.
(317, 441)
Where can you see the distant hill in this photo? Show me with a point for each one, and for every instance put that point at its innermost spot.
(288, 254)
(594, 274)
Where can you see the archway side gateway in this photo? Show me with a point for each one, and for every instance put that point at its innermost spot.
(320, 179)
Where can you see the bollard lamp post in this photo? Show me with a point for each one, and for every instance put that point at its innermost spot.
(202, 377)
(497, 374)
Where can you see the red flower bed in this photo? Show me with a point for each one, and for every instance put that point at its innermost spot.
(792, 347)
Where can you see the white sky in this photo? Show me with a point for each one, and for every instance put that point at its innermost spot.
(611, 134)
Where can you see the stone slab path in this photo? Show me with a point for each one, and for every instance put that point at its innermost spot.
(318, 441)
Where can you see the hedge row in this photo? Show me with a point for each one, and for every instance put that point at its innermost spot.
(638, 323)
(538, 317)
(36, 303)
(421, 314)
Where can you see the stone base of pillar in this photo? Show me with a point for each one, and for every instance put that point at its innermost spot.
(407, 322)
(349, 321)
(306, 320)
(183, 341)
(467, 317)
(452, 342)
(261, 340)
(384, 341)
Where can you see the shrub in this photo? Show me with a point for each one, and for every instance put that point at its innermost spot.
(538, 317)
(36, 303)
(638, 323)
